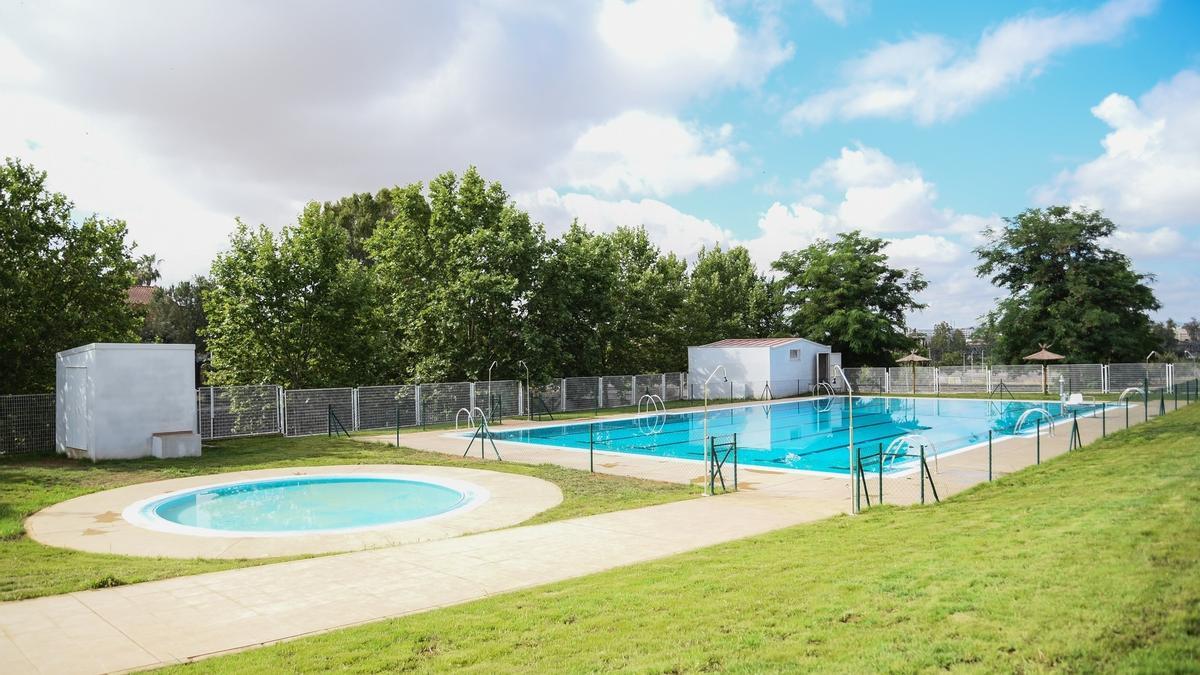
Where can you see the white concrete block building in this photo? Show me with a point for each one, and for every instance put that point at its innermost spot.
(759, 367)
(122, 401)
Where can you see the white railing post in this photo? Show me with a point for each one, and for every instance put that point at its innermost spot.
(520, 398)
(937, 381)
(1104, 378)
(600, 392)
(663, 387)
(562, 393)
(987, 378)
(887, 380)
(354, 408)
(471, 394)
(1170, 375)
(417, 404)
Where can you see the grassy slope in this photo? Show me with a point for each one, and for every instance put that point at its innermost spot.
(1090, 562)
(30, 569)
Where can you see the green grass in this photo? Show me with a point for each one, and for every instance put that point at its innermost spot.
(1089, 562)
(30, 569)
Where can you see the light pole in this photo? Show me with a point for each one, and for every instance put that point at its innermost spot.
(490, 389)
(528, 395)
(854, 497)
(707, 471)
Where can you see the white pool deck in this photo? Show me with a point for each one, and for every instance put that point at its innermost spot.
(187, 618)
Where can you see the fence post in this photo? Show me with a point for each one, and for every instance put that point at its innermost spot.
(937, 389)
(562, 395)
(1103, 419)
(471, 395)
(520, 398)
(211, 405)
(1039, 441)
(663, 387)
(987, 378)
(921, 473)
(354, 408)
(281, 408)
(591, 448)
(1126, 413)
(600, 392)
(989, 455)
(418, 418)
(887, 388)
(881, 473)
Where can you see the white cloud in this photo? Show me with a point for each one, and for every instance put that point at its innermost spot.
(926, 79)
(667, 226)
(238, 108)
(1163, 242)
(924, 251)
(643, 153)
(1149, 173)
(835, 10)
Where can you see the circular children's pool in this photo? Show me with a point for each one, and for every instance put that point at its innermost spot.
(296, 505)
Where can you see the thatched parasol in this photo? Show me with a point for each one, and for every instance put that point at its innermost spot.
(913, 358)
(1044, 356)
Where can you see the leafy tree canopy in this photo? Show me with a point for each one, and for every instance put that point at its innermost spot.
(845, 294)
(1065, 288)
(62, 284)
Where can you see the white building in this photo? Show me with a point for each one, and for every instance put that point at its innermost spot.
(121, 401)
(759, 367)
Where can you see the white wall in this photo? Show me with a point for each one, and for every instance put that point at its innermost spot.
(112, 398)
(742, 364)
(750, 368)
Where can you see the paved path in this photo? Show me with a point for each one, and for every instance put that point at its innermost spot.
(175, 620)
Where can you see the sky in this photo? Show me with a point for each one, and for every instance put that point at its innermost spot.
(757, 123)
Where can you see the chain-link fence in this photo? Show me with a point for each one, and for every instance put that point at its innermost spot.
(26, 424)
(27, 421)
(226, 412)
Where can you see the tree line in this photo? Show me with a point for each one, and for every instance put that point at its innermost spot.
(434, 282)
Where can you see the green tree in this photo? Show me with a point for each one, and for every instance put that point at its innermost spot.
(645, 333)
(456, 275)
(61, 284)
(293, 310)
(176, 314)
(571, 305)
(843, 293)
(1066, 289)
(947, 345)
(147, 269)
(728, 298)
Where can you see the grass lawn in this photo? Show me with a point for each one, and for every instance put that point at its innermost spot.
(28, 484)
(1089, 562)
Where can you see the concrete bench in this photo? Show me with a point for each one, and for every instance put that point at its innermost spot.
(172, 444)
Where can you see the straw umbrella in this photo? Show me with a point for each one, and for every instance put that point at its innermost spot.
(913, 359)
(1044, 356)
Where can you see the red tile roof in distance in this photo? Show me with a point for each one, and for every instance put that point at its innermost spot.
(753, 342)
(140, 295)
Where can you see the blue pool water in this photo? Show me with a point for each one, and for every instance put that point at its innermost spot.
(810, 435)
(305, 504)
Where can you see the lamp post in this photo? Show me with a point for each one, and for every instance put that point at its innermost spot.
(490, 389)
(528, 396)
(707, 470)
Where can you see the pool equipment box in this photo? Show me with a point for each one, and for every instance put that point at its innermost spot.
(123, 401)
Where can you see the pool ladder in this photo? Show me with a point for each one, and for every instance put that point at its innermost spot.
(479, 420)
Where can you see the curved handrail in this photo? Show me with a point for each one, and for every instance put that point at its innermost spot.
(821, 384)
(1130, 390)
(1025, 415)
(470, 417)
(654, 403)
(911, 441)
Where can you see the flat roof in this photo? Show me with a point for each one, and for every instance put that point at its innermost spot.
(756, 342)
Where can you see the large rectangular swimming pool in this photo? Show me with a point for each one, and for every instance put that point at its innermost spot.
(807, 435)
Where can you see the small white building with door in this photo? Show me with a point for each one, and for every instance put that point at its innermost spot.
(759, 367)
(122, 401)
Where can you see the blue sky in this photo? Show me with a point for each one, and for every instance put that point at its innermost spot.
(756, 123)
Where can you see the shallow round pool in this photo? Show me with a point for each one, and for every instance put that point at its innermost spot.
(295, 505)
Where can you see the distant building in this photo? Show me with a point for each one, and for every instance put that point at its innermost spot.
(140, 295)
(1181, 334)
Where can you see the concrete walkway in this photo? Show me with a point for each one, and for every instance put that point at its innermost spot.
(177, 620)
